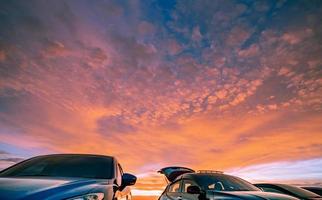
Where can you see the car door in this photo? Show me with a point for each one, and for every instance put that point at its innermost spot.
(185, 195)
(123, 194)
(171, 173)
(174, 191)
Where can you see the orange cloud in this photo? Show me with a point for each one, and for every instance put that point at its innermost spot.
(209, 90)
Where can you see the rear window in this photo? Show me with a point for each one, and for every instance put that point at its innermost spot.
(82, 166)
(223, 182)
(299, 191)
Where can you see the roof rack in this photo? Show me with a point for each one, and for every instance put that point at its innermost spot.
(210, 172)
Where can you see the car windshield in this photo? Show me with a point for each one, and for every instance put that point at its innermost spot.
(82, 166)
(315, 190)
(222, 182)
(299, 191)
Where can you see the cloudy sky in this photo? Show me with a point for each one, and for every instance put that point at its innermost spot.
(225, 85)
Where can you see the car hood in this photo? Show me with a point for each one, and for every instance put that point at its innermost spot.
(249, 195)
(41, 188)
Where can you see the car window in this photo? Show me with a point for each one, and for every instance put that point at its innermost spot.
(219, 186)
(223, 182)
(315, 190)
(186, 183)
(299, 191)
(267, 189)
(82, 166)
(175, 187)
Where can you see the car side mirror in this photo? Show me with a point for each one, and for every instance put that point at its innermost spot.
(193, 189)
(128, 179)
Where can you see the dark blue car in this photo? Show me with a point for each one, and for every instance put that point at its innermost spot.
(66, 177)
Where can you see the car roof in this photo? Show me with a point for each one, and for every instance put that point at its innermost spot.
(174, 173)
(74, 154)
(312, 187)
(199, 174)
(263, 184)
(280, 185)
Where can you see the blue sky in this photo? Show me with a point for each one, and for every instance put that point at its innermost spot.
(207, 84)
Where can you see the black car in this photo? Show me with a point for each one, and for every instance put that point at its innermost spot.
(186, 184)
(66, 177)
(316, 190)
(289, 190)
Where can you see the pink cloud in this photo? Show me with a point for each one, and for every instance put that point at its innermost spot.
(83, 80)
(145, 27)
(251, 51)
(196, 35)
(174, 47)
(297, 36)
(2, 55)
(54, 49)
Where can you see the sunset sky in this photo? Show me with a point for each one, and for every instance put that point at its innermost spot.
(224, 85)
